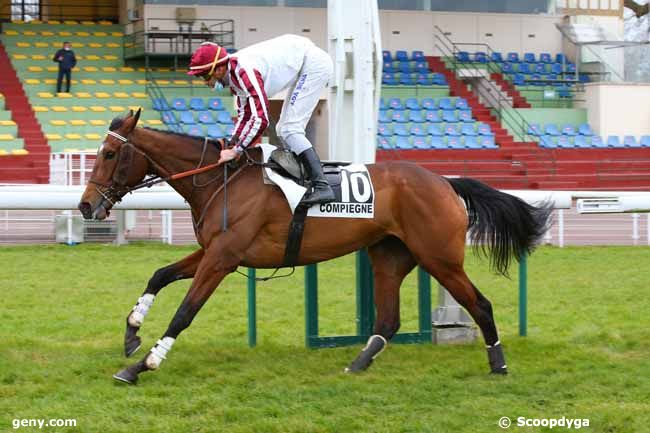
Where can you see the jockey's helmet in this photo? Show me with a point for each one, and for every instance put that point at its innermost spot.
(206, 58)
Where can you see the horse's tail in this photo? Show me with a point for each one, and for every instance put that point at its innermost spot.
(500, 224)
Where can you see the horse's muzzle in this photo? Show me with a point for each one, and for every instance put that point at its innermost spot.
(85, 209)
(99, 213)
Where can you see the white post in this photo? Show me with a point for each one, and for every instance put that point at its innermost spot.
(163, 227)
(169, 226)
(68, 214)
(355, 46)
(648, 229)
(635, 228)
(560, 228)
(82, 169)
(7, 224)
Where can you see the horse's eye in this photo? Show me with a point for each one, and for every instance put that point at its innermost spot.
(109, 155)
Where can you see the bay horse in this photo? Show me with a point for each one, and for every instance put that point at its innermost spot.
(420, 218)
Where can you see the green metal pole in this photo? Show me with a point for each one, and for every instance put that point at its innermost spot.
(252, 309)
(424, 301)
(311, 304)
(365, 295)
(523, 296)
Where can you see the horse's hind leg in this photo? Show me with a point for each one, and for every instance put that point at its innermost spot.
(454, 279)
(391, 262)
(184, 268)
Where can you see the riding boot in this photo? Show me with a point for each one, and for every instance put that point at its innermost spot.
(321, 192)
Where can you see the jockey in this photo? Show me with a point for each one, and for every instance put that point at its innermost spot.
(287, 62)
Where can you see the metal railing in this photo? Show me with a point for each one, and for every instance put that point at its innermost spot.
(43, 11)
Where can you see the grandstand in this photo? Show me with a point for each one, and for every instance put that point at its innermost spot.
(513, 104)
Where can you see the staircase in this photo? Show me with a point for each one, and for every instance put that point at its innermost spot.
(518, 101)
(34, 166)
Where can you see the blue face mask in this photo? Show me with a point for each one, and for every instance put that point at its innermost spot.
(218, 86)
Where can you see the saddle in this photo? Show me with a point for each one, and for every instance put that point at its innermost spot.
(286, 163)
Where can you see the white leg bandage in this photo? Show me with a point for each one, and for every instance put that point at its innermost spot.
(159, 353)
(141, 309)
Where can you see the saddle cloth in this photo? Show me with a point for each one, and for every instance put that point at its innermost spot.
(355, 195)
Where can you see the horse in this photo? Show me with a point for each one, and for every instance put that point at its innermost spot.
(420, 218)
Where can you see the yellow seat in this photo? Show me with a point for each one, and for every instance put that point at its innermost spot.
(181, 82)
(97, 108)
(90, 69)
(40, 109)
(92, 57)
(79, 108)
(6, 137)
(118, 34)
(83, 95)
(59, 108)
(23, 44)
(47, 33)
(154, 122)
(52, 69)
(109, 69)
(121, 95)
(88, 23)
(49, 81)
(142, 69)
(87, 81)
(34, 69)
(64, 95)
(102, 95)
(95, 45)
(73, 136)
(143, 82)
(11, 33)
(92, 136)
(102, 34)
(125, 81)
(127, 69)
(83, 34)
(32, 81)
(163, 82)
(98, 122)
(53, 22)
(45, 95)
(112, 45)
(41, 44)
(53, 136)
(19, 56)
(38, 57)
(117, 109)
(105, 23)
(29, 33)
(107, 81)
(70, 22)
(110, 57)
(19, 152)
(7, 123)
(139, 95)
(77, 122)
(58, 122)
(64, 33)
(79, 57)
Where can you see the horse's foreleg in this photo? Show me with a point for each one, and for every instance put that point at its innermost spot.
(391, 262)
(209, 274)
(182, 269)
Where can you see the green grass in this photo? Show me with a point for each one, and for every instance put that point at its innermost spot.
(61, 327)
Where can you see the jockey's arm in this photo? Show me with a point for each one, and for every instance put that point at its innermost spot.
(252, 115)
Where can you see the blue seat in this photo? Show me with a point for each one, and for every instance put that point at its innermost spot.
(551, 129)
(585, 129)
(597, 141)
(421, 67)
(421, 142)
(405, 68)
(561, 58)
(195, 131)
(534, 130)
(429, 104)
(529, 57)
(406, 80)
(224, 117)
(383, 143)
(399, 116)
(416, 116)
(387, 68)
(564, 92)
(215, 104)
(569, 130)
(387, 56)
(556, 68)
(547, 142)
(385, 129)
(484, 129)
(564, 142)
(382, 104)
(471, 142)
(545, 58)
(432, 116)
(197, 104)
(169, 118)
(449, 116)
(461, 104)
(540, 68)
(229, 130)
(571, 67)
(412, 104)
(403, 143)
(463, 57)
(423, 79)
(215, 131)
(630, 141)
(455, 142)
(465, 116)
(445, 104)
(468, 129)
(399, 129)
(438, 142)
(584, 78)
(187, 118)
(451, 130)
(507, 68)
(645, 141)
(179, 104)
(206, 118)
(388, 79)
(417, 129)
(513, 57)
(401, 56)
(395, 104)
(435, 130)
(383, 116)
(614, 141)
(519, 79)
(580, 141)
(160, 104)
(439, 79)
(480, 57)
(417, 56)
(524, 68)
(487, 142)
(496, 57)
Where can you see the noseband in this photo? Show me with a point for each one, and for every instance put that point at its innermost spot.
(117, 188)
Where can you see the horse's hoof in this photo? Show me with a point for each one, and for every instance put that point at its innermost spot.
(132, 345)
(376, 344)
(357, 367)
(501, 370)
(126, 376)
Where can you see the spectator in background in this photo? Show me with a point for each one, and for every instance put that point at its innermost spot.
(66, 59)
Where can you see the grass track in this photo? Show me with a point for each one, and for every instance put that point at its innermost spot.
(61, 327)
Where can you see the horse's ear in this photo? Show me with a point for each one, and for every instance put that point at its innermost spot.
(137, 116)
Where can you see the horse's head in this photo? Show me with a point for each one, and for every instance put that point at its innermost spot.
(119, 166)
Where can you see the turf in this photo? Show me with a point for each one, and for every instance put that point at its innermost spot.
(61, 328)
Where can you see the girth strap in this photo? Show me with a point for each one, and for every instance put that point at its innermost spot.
(294, 240)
